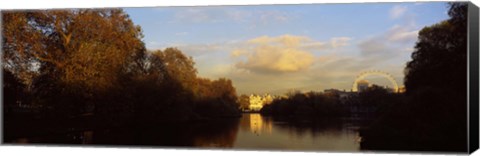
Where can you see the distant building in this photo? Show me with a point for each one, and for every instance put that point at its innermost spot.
(362, 85)
(257, 102)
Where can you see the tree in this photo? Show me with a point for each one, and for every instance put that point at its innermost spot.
(81, 47)
(436, 78)
(374, 96)
(224, 89)
(82, 61)
(244, 101)
(178, 67)
(71, 58)
(216, 98)
(436, 92)
(13, 89)
(440, 56)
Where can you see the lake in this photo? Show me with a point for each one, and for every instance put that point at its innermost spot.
(250, 132)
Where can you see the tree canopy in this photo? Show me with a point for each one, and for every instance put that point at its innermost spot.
(436, 91)
(80, 47)
(79, 61)
(440, 56)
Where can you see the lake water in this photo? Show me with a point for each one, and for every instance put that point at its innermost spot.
(250, 132)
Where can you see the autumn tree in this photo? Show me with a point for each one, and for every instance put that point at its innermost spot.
(85, 61)
(178, 67)
(244, 101)
(78, 53)
(85, 47)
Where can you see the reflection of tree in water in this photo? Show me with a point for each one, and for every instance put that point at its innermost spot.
(217, 134)
(220, 133)
(245, 122)
(85, 137)
(312, 128)
(257, 124)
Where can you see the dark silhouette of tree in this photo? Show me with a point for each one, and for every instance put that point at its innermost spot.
(440, 55)
(308, 106)
(14, 91)
(434, 116)
(436, 78)
(374, 96)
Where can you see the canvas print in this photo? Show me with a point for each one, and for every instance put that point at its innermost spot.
(306, 77)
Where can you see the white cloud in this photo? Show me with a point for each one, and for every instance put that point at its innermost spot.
(200, 49)
(272, 15)
(340, 41)
(390, 43)
(286, 40)
(397, 11)
(302, 42)
(238, 52)
(402, 34)
(193, 50)
(281, 54)
(267, 64)
(277, 59)
(372, 46)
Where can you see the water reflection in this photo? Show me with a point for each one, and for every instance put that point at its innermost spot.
(87, 137)
(222, 135)
(259, 132)
(257, 125)
(251, 131)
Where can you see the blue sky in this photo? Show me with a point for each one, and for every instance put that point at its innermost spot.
(276, 48)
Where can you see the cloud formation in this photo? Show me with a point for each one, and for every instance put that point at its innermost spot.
(397, 11)
(402, 34)
(268, 58)
(389, 44)
(281, 54)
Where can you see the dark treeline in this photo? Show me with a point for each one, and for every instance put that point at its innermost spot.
(305, 106)
(434, 114)
(90, 68)
(378, 101)
(317, 106)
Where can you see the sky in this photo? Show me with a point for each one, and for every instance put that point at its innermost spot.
(279, 48)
